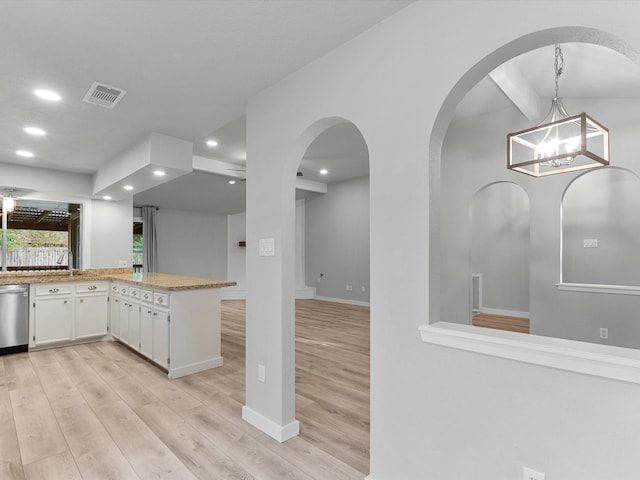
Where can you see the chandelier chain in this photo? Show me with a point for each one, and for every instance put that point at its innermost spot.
(559, 65)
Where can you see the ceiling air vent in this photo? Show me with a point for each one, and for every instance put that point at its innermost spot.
(104, 95)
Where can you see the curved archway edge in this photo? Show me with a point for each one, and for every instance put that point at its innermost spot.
(476, 73)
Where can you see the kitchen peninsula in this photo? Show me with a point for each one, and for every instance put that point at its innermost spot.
(172, 320)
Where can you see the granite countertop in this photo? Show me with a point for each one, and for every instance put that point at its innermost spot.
(161, 281)
(165, 281)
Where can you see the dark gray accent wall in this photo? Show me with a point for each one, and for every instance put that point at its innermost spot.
(337, 241)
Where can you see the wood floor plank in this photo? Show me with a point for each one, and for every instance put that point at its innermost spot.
(100, 411)
(56, 466)
(251, 454)
(196, 451)
(148, 455)
(501, 322)
(10, 460)
(38, 433)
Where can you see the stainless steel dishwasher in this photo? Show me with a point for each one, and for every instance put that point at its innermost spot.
(14, 318)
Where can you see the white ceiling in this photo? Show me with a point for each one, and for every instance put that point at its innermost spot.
(189, 68)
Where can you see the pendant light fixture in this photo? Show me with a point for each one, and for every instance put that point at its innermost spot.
(560, 143)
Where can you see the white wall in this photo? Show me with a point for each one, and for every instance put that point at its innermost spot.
(111, 233)
(236, 264)
(236, 256)
(192, 244)
(436, 412)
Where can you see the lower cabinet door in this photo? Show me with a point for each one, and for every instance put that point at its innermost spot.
(161, 337)
(134, 326)
(114, 317)
(53, 320)
(91, 315)
(146, 331)
(123, 316)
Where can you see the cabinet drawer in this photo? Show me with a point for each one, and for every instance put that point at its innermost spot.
(146, 296)
(91, 287)
(161, 299)
(50, 290)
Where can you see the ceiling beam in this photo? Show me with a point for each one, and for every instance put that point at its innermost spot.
(231, 170)
(509, 78)
(42, 216)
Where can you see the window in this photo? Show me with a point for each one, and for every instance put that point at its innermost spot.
(42, 236)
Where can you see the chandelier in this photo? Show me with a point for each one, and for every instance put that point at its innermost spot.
(560, 143)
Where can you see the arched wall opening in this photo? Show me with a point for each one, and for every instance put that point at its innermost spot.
(440, 222)
(332, 327)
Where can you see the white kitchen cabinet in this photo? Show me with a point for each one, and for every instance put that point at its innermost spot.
(146, 323)
(51, 314)
(91, 309)
(179, 330)
(146, 330)
(123, 317)
(114, 311)
(134, 318)
(161, 321)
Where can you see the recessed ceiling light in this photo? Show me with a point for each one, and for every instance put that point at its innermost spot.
(232, 182)
(106, 197)
(128, 187)
(24, 153)
(159, 173)
(212, 143)
(324, 171)
(35, 131)
(47, 95)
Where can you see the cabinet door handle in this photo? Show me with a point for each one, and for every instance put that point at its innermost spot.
(82, 300)
(160, 300)
(54, 290)
(155, 314)
(65, 301)
(92, 287)
(148, 311)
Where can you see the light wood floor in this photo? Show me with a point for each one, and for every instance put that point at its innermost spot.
(501, 322)
(98, 411)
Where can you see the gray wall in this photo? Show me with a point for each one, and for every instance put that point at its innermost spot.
(602, 206)
(337, 241)
(430, 404)
(192, 244)
(473, 157)
(500, 247)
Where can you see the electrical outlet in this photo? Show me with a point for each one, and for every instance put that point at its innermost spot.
(349, 288)
(604, 333)
(364, 289)
(261, 373)
(529, 474)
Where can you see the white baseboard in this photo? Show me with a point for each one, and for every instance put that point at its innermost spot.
(506, 313)
(306, 292)
(281, 433)
(195, 367)
(343, 300)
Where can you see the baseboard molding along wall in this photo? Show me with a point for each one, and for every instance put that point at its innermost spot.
(281, 433)
(343, 300)
(505, 313)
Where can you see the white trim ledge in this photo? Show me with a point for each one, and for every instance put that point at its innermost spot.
(595, 288)
(281, 433)
(606, 361)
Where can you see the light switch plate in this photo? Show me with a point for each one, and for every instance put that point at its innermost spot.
(267, 247)
(590, 243)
